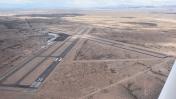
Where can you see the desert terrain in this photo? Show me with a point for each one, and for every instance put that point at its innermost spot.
(100, 54)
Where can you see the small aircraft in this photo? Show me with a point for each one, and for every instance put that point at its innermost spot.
(169, 89)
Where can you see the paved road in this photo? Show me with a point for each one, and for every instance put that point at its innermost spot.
(33, 72)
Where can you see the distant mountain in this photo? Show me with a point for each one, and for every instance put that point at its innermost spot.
(137, 7)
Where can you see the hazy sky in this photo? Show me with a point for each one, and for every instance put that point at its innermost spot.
(79, 3)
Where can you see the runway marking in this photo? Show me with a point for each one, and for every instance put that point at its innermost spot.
(49, 69)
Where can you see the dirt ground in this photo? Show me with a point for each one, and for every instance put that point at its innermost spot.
(97, 51)
(144, 28)
(131, 61)
(24, 35)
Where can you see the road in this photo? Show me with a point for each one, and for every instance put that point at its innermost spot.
(34, 71)
(126, 46)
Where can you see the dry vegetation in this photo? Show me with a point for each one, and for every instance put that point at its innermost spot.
(147, 29)
(98, 51)
(93, 69)
(24, 35)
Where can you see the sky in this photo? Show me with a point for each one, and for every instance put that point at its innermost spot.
(80, 3)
